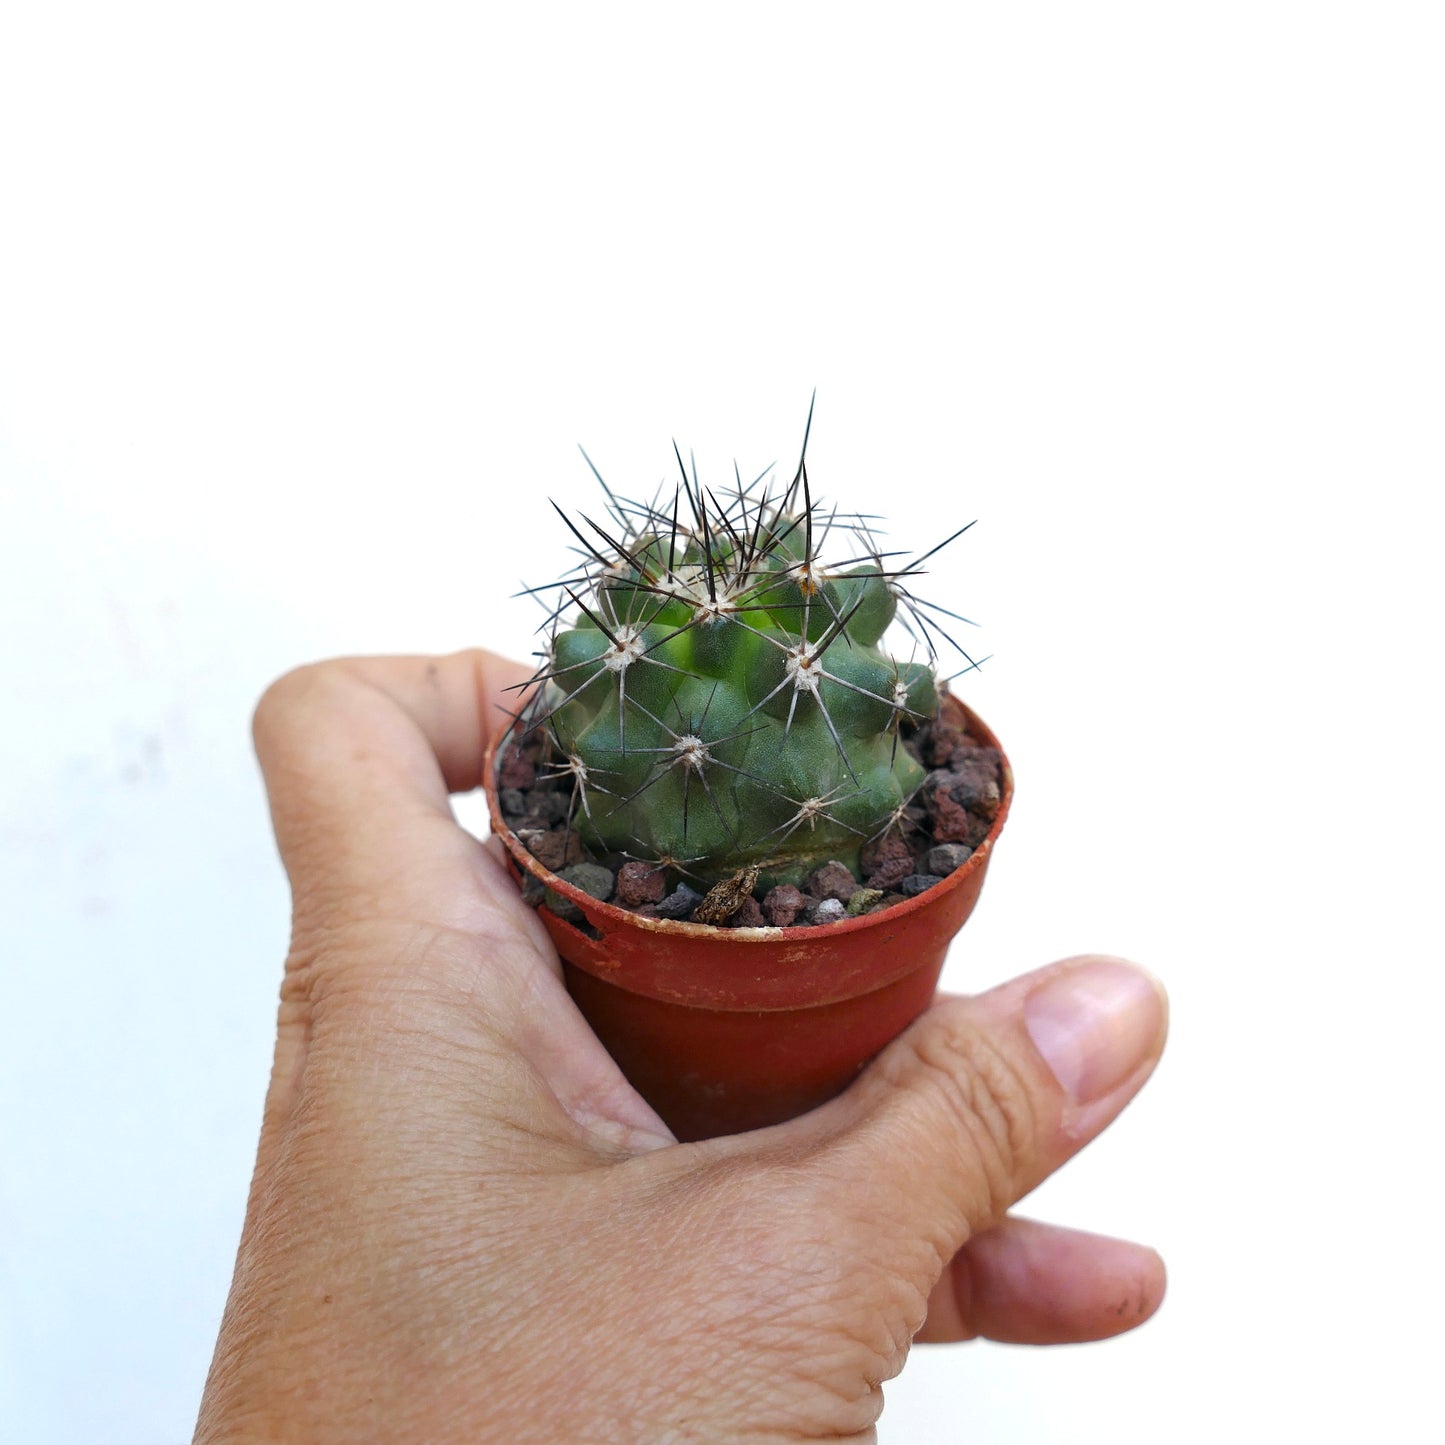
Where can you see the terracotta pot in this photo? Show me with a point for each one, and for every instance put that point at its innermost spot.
(726, 1029)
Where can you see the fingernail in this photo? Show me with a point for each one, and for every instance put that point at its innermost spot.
(1095, 1024)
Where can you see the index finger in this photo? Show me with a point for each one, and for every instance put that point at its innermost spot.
(359, 756)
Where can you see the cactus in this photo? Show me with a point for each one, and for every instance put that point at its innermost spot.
(721, 700)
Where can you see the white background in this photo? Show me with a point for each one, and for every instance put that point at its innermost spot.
(302, 312)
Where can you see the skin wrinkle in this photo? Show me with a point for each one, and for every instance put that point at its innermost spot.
(846, 1418)
(879, 1321)
(1001, 1125)
(421, 969)
(386, 1227)
(813, 1271)
(990, 1098)
(594, 1103)
(749, 1325)
(335, 902)
(797, 1282)
(657, 1341)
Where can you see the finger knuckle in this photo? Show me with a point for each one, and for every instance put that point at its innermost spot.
(289, 696)
(986, 1100)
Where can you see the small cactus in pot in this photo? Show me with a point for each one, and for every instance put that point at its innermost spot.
(753, 815)
(717, 693)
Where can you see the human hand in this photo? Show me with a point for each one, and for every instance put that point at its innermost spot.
(465, 1225)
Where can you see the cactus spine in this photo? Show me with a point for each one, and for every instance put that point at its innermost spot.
(721, 698)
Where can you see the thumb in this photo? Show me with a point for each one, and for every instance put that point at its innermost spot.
(983, 1098)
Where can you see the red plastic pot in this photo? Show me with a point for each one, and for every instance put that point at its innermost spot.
(727, 1029)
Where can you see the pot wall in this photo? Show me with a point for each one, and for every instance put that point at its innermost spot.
(721, 1071)
(723, 1030)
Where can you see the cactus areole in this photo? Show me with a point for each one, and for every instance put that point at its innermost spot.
(732, 681)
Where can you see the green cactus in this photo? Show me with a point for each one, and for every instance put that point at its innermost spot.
(721, 698)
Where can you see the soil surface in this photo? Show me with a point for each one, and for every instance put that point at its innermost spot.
(948, 818)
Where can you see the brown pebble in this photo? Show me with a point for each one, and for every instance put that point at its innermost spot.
(977, 773)
(885, 860)
(943, 738)
(555, 849)
(832, 880)
(639, 882)
(968, 753)
(977, 789)
(951, 821)
(782, 905)
(548, 804)
(749, 915)
(892, 871)
(882, 851)
(516, 771)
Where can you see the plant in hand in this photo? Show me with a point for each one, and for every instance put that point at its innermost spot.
(464, 1226)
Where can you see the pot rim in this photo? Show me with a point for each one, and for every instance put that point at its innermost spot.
(770, 933)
